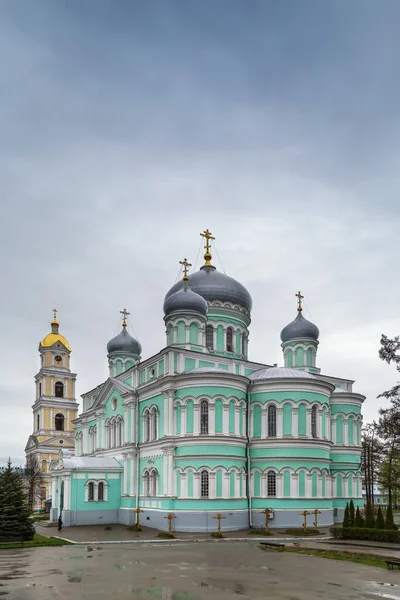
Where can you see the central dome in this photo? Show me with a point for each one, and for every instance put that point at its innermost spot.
(213, 285)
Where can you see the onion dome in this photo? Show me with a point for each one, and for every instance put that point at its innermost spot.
(124, 343)
(300, 327)
(54, 336)
(185, 300)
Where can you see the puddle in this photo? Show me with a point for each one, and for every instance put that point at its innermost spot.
(74, 579)
(161, 592)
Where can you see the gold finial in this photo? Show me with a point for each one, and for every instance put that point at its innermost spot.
(300, 298)
(54, 321)
(125, 313)
(186, 266)
(207, 235)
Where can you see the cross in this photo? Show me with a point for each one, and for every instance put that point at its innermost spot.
(219, 517)
(207, 235)
(304, 514)
(170, 516)
(137, 511)
(55, 314)
(300, 298)
(186, 266)
(125, 313)
(316, 512)
(267, 512)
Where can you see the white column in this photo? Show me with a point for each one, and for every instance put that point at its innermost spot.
(225, 485)
(67, 492)
(53, 492)
(197, 486)
(212, 485)
(237, 419)
(308, 485)
(279, 422)
(211, 419)
(214, 337)
(237, 485)
(327, 425)
(166, 414)
(125, 488)
(187, 338)
(171, 424)
(85, 439)
(132, 474)
(264, 419)
(165, 473)
(319, 486)
(133, 422)
(333, 429)
(183, 419)
(225, 419)
(294, 486)
(171, 472)
(345, 432)
(196, 419)
(279, 485)
(126, 424)
(295, 422)
(184, 485)
(308, 423)
(319, 423)
(345, 487)
(263, 485)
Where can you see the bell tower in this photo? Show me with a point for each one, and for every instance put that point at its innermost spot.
(55, 407)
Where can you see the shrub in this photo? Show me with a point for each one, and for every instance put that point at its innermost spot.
(351, 511)
(369, 516)
(380, 521)
(373, 535)
(389, 523)
(346, 518)
(216, 534)
(358, 521)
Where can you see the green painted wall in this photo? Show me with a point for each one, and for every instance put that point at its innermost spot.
(286, 484)
(257, 421)
(181, 333)
(287, 419)
(189, 417)
(218, 483)
(218, 416)
(345, 409)
(194, 333)
(210, 390)
(78, 494)
(302, 484)
(190, 364)
(294, 396)
(339, 430)
(206, 363)
(231, 417)
(220, 338)
(302, 419)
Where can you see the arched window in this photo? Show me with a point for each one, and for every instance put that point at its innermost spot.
(204, 416)
(204, 484)
(100, 491)
(59, 390)
(59, 422)
(146, 483)
(271, 483)
(44, 466)
(146, 426)
(40, 389)
(43, 494)
(272, 421)
(91, 491)
(154, 424)
(209, 337)
(314, 421)
(38, 422)
(229, 339)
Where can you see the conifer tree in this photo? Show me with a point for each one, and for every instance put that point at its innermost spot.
(380, 521)
(351, 513)
(389, 523)
(369, 516)
(358, 521)
(15, 521)
(346, 518)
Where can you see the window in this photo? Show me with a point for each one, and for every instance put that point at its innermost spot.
(271, 483)
(314, 421)
(91, 491)
(229, 339)
(146, 483)
(153, 483)
(43, 493)
(59, 422)
(154, 424)
(209, 337)
(40, 389)
(146, 426)
(100, 491)
(204, 416)
(44, 466)
(38, 422)
(59, 390)
(204, 484)
(243, 344)
(272, 421)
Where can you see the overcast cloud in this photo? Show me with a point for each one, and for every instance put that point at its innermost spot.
(128, 127)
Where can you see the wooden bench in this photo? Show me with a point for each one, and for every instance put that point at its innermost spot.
(392, 564)
(278, 545)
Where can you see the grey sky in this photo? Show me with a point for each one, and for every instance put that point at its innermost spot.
(128, 127)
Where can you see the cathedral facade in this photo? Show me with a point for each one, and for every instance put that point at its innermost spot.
(199, 429)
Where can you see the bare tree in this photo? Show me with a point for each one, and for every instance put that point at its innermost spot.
(371, 454)
(33, 477)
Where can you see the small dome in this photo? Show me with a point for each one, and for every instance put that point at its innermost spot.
(299, 328)
(124, 343)
(185, 299)
(213, 285)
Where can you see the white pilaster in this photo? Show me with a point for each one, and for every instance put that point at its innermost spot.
(132, 487)
(264, 420)
(237, 419)
(345, 432)
(184, 485)
(237, 485)
(196, 419)
(319, 486)
(294, 486)
(327, 425)
(308, 422)
(67, 492)
(53, 492)
(212, 485)
(125, 488)
(225, 419)
(263, 485)
(225, 485)
(308, 485)
(171, 472)
(279, 485)
(85, 439)
(295, 422)
(279, 422)
(319, 423)
(211, 419)
(126, 424)
(183, 419)
(197, 486)
(333, 429)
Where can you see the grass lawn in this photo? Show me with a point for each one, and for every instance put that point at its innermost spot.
(370, 560)
(38, 540)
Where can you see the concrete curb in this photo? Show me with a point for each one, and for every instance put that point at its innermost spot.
(193, 541)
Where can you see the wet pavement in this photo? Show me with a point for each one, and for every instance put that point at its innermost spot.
(185, 572)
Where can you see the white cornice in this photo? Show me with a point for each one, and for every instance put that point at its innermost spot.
(313, 386)
(314, 444)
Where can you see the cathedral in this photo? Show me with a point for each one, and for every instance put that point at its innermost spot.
(199, 429)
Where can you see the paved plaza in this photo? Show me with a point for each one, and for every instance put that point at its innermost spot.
(185, 571)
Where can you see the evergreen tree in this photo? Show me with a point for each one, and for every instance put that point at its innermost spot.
(358, 521)
(380, 521)
(351, 512)
(15, 521)
(390, 524)
(346, 518)
(369, 516)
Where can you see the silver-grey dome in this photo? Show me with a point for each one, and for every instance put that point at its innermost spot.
(299, 328)
(124, 342)
(213, 285)
(185, 299)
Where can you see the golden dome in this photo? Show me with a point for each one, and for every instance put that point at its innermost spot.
(54, 336)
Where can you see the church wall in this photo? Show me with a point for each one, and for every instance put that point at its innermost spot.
(209, 390)
(282, 396)
(345, 408)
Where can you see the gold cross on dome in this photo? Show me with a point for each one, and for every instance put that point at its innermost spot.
(300, 298)
(207, 235)
(125, 313)
(55, 315)
(186, 266)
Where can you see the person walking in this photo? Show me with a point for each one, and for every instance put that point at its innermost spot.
(60, 523)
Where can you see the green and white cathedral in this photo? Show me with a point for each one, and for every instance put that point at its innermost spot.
(199, 429)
